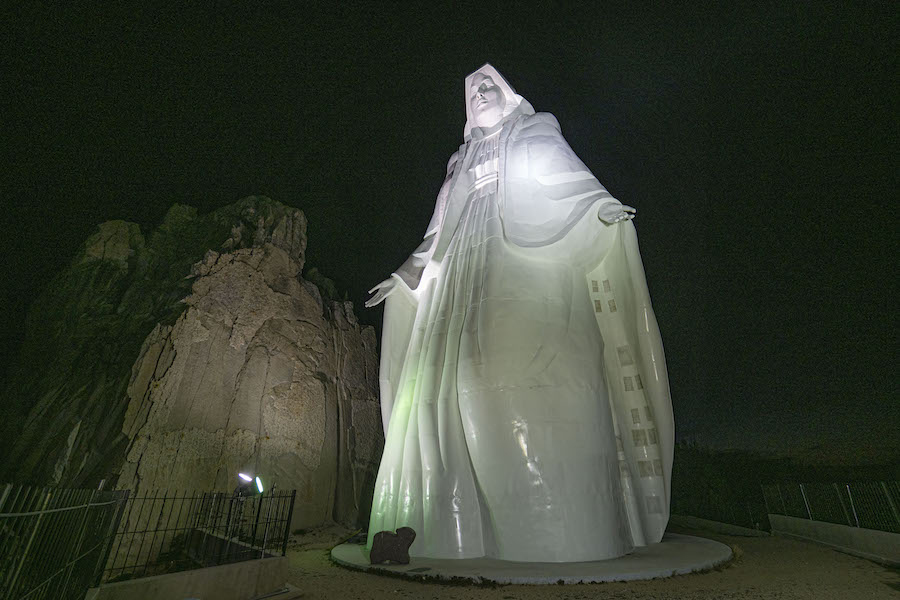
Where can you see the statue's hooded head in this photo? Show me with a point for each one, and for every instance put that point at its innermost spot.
(490, 102)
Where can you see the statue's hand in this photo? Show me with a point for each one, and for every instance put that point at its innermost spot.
(613, 213)
(382, 291)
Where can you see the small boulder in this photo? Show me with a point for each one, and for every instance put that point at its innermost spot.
(390, 547)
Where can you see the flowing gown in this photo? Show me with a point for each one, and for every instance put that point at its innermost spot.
(501, 440)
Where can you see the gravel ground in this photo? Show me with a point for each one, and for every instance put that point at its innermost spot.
(764, 568)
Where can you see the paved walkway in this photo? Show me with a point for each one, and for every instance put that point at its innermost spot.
(770, 568)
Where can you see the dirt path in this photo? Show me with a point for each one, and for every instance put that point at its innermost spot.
(765, 568)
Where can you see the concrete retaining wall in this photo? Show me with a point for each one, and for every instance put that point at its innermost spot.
(237, 581)
(717, 526)
(880, 546)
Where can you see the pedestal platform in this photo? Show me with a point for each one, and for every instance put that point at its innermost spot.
(675, 555)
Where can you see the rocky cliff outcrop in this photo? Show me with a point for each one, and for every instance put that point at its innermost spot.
(178, 359)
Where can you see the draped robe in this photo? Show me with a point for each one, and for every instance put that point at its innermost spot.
(524, 392)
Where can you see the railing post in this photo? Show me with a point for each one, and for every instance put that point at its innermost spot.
(287, 525)
(110, 536)
(893, 505)
(12, 584)
(228, 526)
(806, 502)
(837, 491)
(212, 502)
(151, 554)
(852, 506)
(783, 505)
(266, 532)
(81, 528)
(262, 498)
(6, 490)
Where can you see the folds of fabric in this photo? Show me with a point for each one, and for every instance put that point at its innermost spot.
(509, 384)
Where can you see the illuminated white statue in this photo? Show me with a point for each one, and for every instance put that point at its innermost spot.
(523, 386)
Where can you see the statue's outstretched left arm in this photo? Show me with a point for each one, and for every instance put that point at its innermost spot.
(542, 159)
(614, 212)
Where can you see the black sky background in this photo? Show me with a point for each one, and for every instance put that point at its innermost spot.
(758, 142)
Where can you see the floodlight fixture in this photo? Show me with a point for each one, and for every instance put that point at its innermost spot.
(259, 485)
(246, 477)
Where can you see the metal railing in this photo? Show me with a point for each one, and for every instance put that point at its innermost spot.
(868, 504)
(56, 543)
(53, 541)
(737, 507)
(165, 532)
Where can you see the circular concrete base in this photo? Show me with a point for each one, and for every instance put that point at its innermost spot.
(675, 555)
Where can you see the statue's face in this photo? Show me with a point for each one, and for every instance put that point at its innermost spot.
(486, 101)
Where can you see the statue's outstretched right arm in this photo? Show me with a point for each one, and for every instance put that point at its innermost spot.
(410, 272)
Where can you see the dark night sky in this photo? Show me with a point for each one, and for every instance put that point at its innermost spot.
(759, 145)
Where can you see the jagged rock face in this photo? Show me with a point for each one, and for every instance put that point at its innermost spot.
(254, 378)
(241, 366)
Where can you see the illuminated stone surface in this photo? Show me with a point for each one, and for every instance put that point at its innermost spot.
(523, 384)
(177, 359)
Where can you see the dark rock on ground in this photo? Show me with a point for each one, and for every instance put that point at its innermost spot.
(388, 547)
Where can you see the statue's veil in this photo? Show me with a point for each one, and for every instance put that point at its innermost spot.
(514, 102)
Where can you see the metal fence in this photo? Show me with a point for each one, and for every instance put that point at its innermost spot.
(165, 532)
(870, 504)
(53, 541)
(56, 543)
(737, 507)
